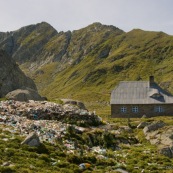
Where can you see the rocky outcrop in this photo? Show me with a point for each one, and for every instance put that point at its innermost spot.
(24, 95)
(11, 77)
(167, 151)
(161, 135)
(41, 44)
(25, 43)
(74, 102)
(153, 127)
(32, 140)
(142, 125)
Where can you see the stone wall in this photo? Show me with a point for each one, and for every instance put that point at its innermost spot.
(147, 109)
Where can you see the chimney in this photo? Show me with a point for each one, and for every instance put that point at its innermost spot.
(151, 81)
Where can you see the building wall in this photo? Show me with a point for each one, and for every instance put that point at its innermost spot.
(147, 109)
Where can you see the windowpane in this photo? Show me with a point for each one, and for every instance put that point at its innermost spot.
(135, 109)
(158, 109)
(123, 109)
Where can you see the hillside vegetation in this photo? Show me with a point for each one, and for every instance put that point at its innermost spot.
(87, 64)
(115, 150)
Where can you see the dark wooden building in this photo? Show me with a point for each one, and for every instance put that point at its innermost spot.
(132, 99)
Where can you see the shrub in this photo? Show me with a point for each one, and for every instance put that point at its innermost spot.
(74, 159)
(91, 159)
(63, 164)
(66, 170)
(44, 157)
(7, 170)
(10, 152)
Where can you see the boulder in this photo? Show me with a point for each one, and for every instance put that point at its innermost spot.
(153, 127)
(144, 116)
(161, 135)
(6, 163)
(142, 125)
(166, 151)
(81, 105)
(32, 140)
(74, 102)
(24, 95)
(125, 129)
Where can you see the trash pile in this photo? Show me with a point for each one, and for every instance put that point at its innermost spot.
(47, 130)
(43, 110)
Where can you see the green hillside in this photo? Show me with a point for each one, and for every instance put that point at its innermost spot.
(87, 64)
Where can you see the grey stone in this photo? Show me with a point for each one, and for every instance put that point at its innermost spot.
(11, 77)
(24, 95)
(142, 125)
(74, 102)
(125, 129)
(166, 151)
(153, 127)
(171, 136)
(32, 140)
(6, 163)
(81, 105)
(144, 116)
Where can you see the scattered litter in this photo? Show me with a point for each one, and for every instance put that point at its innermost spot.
(43, 110)
(44, 119)
(84, 166)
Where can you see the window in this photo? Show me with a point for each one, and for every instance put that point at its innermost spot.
(158, 109)
(123, 109)
(135, 109)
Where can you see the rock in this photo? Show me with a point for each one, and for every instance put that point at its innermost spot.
(11, 77)
(125, 129)
(24, 95)
(32, 140)
(159, 134)
(104, 53)
(74, 102)
(142, 125)
(81, 105)
(144, 116)
(171, 136)
(166, 151)
(6, 163)
(153, 127)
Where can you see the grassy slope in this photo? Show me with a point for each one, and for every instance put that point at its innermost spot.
(54, 158)
(133, 55)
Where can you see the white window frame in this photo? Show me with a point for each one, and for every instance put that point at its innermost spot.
(158, 109)
(123, 109)
(135, 109)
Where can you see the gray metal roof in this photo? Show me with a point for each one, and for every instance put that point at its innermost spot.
(139, 92)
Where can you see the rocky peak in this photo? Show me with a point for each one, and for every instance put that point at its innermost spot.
(27, 41)
(98, 27)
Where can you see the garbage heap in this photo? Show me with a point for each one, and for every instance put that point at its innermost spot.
(44, 110)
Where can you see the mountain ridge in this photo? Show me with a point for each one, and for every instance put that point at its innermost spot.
(88, 63)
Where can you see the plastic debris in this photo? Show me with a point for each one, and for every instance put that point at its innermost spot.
(43, 110)
(84, 166)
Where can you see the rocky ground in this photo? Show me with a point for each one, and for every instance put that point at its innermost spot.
(79, 140)
(160, 134)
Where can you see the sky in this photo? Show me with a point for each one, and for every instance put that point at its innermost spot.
(64, 15)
